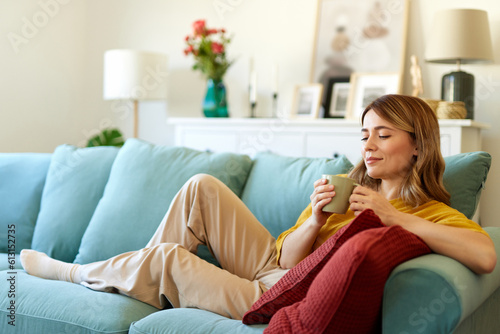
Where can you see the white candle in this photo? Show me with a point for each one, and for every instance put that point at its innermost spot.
(253, 87)
(275, 79)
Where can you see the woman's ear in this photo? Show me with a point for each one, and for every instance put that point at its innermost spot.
(415, 152)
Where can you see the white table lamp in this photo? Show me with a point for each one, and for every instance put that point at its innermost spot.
(134, 75)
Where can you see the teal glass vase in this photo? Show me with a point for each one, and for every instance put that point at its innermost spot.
(215, 103)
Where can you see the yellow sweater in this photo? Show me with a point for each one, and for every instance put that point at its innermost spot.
(433, 211)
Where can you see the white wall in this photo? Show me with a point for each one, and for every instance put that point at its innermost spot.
(41, 86)
(51, 89)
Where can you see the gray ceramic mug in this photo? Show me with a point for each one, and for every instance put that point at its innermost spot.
(343, 190)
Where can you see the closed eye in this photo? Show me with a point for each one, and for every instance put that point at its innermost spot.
(381, 137)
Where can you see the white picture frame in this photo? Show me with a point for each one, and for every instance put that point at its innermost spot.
(366, 87)
(306, 101)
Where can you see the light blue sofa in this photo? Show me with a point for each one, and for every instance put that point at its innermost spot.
(89, 204)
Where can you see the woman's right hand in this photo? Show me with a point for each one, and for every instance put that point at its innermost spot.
(321, 196)
(299, 243)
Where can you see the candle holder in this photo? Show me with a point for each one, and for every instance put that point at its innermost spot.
(275, 105)
(253, 105)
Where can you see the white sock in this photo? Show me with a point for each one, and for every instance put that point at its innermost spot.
(41, 265)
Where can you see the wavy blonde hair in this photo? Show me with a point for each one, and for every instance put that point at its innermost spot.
(424, 180)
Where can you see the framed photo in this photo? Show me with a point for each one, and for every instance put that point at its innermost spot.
(307, 101)
(336, 98)
(366, 87)
(358, 36)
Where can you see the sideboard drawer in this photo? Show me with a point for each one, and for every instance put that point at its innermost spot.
(280, 142)
(207, 140)
(333, 145)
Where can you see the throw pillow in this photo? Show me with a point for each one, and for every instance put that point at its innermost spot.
(346, 296)
(143, 181)
(285, 183)
(75, 184)
(22, 177)
(464, 178)
(293, 286)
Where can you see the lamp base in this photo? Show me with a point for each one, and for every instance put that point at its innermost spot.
(459, 86)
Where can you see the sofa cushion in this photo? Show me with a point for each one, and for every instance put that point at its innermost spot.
(191, 320)
(75, 183)
(346, 296)
(7, 262)
(22, 177)
(143, 181)
(46, 306)
(464, 178)
(293, 286)
(278, 187)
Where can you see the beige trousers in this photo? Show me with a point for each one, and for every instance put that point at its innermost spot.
(207, 212)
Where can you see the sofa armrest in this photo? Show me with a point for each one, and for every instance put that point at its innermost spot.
(434, 293)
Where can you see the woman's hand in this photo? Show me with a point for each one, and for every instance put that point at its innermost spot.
(365, 198)
(298, 244)
(321, 196)
(471, 248)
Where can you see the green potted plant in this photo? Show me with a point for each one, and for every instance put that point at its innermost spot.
(107, 137)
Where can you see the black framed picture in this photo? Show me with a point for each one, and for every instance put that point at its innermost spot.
(336, 95)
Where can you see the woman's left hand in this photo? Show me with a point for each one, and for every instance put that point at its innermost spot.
(365, 198)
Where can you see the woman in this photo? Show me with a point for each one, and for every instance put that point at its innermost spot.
(401, 178)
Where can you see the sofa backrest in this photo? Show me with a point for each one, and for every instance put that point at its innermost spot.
(143, 181)
(278, 187)
(126, 192)
(75, 183)
(22, 177)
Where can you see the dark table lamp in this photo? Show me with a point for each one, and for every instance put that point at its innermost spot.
(459, 36)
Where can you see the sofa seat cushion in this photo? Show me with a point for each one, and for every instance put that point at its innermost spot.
(143, 181)
(22, 177)
(278, 187)
(46, 306)
(9, 262)
(192, 321)
(434, 293)
(75, 183)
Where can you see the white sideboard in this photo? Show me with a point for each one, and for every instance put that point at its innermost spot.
(303, 138)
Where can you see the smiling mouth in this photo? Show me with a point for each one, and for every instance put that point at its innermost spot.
(372, 160)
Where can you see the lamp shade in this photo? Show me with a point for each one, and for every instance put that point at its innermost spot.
(134, 75)
(459, 35)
